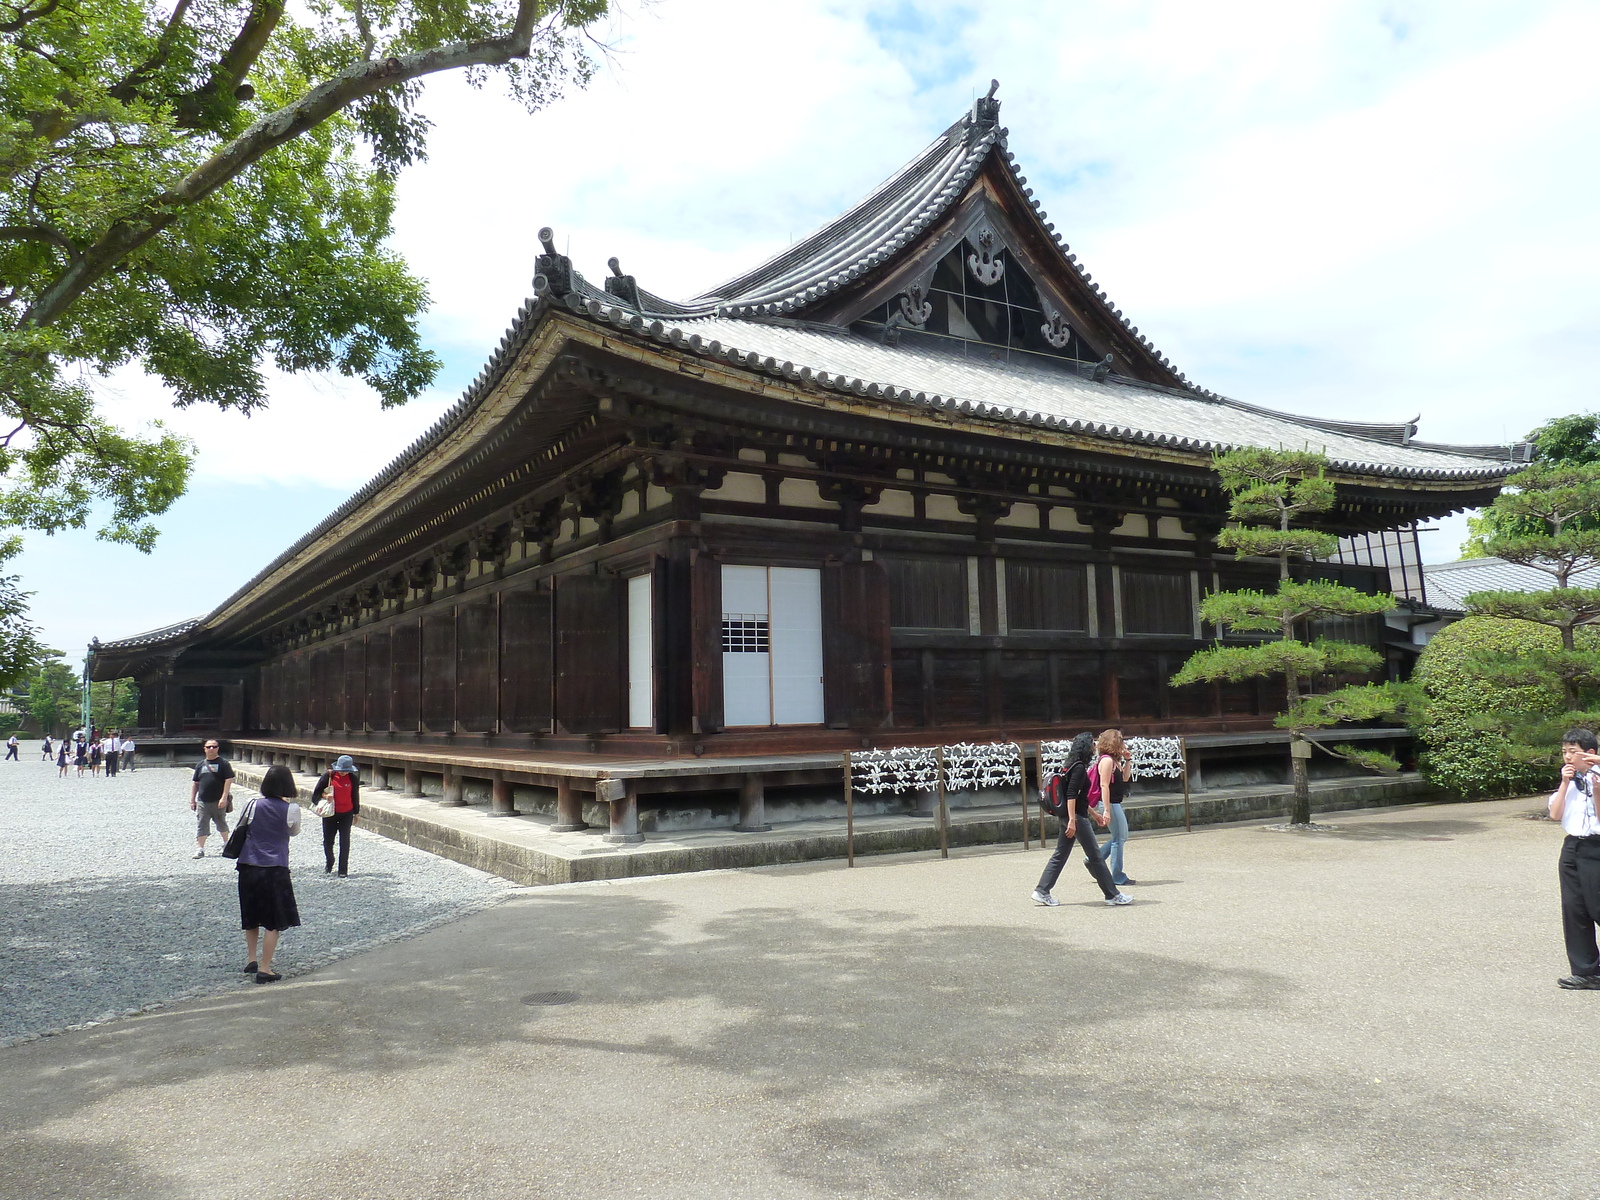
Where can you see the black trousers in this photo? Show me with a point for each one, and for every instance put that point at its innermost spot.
(1093, 861)
(1580, 902)
(337, 826)
(11, 752)
(111, 764)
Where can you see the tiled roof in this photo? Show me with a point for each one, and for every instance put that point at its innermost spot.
(1449, 584)
(152, 637)
(1033, 390)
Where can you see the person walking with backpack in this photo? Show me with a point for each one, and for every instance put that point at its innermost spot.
(1067, 795)
(12, 747)
(1108, 782)
(343, 785)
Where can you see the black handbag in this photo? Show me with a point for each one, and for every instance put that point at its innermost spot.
(241, 831)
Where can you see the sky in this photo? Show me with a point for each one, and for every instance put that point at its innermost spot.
(1364, 210)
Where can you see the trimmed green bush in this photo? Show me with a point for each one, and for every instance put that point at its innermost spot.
(1460, 754)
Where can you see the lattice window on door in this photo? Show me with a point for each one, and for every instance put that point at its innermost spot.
(745, 633)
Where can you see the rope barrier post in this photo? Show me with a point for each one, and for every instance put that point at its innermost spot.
(1022, 768)
(1183, 751)
(849, 815)
(944, 809)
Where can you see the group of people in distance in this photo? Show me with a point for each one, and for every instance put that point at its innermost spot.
(1092, 786)
(91, 750)
(266, 892)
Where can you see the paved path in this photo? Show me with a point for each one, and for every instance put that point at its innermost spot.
(1365, 1013)
(106, 912)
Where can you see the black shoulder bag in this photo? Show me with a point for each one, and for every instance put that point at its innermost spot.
(241, 831)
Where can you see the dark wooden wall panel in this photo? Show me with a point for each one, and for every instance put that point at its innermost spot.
(1157, 602)
(958, 691)
(926, 593)
(333, 711)
(439, 670)
(589, 692)
(405, 647)
(1078, 687)
(1025, 686)
(525, 660)
(907, 667)
(378, 681)
(316, 713)
(1139, 689)
(1047, 596)
(355, 683)
(477, 665)
(858, 686)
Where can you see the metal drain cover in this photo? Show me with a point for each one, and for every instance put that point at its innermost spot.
(547, 998)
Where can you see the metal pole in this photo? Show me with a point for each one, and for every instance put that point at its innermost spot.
(1183, 748)
(1022, 766)
(944, 811)
(849, 815)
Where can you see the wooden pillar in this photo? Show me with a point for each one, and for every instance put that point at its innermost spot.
(413, 781)
(502, 802)
(452, 796)
(569, 809)
(623, 796)
(753, 804)
(380, 777)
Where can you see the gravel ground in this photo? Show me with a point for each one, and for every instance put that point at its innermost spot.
(106, 914)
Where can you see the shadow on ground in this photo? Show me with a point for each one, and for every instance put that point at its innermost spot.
(870, 1056)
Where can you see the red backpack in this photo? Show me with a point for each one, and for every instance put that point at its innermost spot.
(1053, 797)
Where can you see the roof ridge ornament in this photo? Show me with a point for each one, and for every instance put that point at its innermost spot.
(552, 271)
(985, 111)
(623, 287)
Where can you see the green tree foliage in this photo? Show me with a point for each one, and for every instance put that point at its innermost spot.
(1547, 518)
(114, 704)
(1270, 491)
(202, 187)
(1573, 441)
(55, 697)
(20, 650)
(1491, 737)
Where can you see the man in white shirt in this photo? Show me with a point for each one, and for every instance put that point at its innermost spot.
(128, 748)
(1573, 804)
(110, 747)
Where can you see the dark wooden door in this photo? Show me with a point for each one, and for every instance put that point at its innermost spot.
(589, 692)
(857, 682)
(477, 665)
(525, 660)
(355, 683)
(439, 671)
(333, 688)
(405, 645)
(705, 640)
(316, 714)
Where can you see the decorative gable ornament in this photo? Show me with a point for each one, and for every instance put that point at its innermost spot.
(914, 305)
(985, 265)
(1055, 329)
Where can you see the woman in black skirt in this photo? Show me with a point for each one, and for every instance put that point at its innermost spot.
(266, 896)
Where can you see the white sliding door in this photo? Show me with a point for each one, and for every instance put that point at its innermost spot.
(771, 646)
(796, 645)
(746, 647)
(641, 654)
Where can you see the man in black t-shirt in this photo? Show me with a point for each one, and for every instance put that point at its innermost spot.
(210, 794)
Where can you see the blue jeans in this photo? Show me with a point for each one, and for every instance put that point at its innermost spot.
(1116, 840)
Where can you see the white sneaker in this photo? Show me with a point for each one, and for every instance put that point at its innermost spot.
(1120, 898)
(1045, 898)
(199, 854)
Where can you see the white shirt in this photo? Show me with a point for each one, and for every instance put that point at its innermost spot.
(127, 743)
(1578, 818)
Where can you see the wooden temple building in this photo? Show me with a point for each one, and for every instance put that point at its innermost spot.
(915, 479)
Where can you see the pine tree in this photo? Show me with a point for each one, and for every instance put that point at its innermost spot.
(1547, 518)
(1270, 492)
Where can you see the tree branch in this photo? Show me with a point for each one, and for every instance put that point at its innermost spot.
(128, 86)
(26, 15)
(38, 233)
(235, 62)
(267, 134)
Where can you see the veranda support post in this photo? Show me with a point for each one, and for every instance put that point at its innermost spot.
(944, 809)
(849, 815)
(1022, 768)
(1183, 750)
